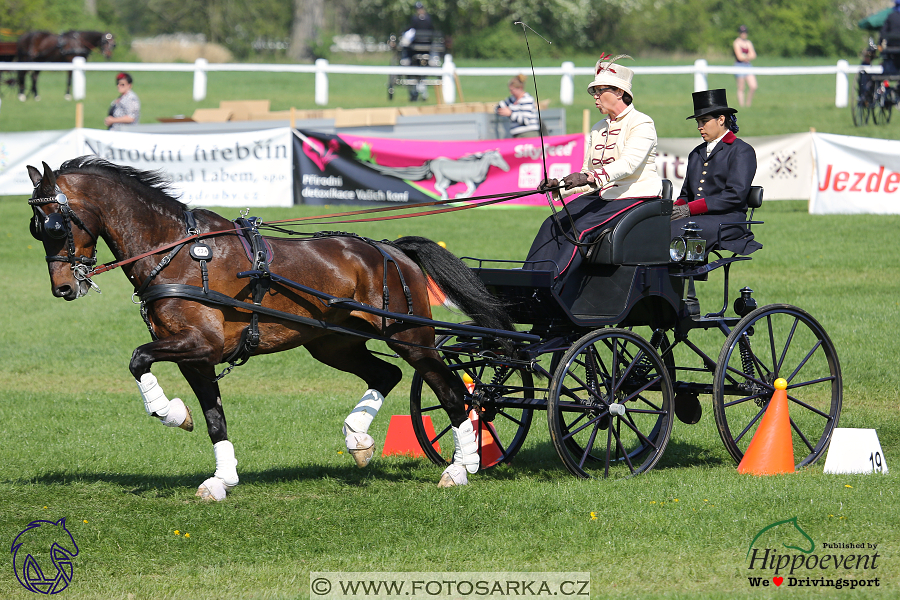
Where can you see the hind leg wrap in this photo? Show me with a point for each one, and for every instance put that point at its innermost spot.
(225, 477)
(356, 427)
(172, 413)
(465, 456)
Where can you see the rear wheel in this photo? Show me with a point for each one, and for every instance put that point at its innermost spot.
(500, 395)
(775, 341)
(610, 405)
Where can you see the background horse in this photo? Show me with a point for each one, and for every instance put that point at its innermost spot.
(471, 170)
(43, 46)
(134, 214)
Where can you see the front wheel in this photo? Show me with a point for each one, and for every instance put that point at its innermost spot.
(610, 406)
(775, 341)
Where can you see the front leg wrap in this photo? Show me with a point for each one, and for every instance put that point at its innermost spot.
(172, 413)
(225, 477)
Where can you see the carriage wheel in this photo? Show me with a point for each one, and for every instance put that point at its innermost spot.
(775, 341)
(610, 405)
(498, 395)
(860, 113)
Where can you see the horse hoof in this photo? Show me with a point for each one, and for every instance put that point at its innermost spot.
(188, 424)
(363, 457)
(68, 96)
(212, 489)
(453, 476)
(22, 98)
(37, 98)
(361, 447)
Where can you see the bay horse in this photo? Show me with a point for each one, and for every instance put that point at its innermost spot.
(134, 212)
(43, 46)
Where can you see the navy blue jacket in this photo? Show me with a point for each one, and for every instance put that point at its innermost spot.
(716, 189)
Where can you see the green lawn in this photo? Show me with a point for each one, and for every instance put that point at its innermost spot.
(783, 104)
(75, 443)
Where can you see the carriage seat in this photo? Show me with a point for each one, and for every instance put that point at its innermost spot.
(642, 236)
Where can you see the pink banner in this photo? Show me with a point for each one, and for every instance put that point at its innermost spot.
(460, 170)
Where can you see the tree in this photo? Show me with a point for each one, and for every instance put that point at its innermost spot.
(309, 18)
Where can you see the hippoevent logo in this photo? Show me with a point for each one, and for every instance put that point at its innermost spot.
(42, 556)
(771, 561)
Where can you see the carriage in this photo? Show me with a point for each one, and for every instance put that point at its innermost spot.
(600, 348)
(876, 93)
(425, 49)
(608, 367)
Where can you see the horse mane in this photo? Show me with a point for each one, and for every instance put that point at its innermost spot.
(154, 183)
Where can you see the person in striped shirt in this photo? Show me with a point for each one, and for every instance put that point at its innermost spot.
(520, 109)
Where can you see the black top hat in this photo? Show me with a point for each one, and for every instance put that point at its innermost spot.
(710, 101)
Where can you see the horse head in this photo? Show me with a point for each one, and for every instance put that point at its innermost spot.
(68, 232)
(497, 160)
(40, 541)
(107, 44)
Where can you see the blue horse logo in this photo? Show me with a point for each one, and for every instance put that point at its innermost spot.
(40, 540)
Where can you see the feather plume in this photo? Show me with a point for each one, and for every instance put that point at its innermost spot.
(609, 60)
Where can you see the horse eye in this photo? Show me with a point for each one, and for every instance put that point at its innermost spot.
(55, 227)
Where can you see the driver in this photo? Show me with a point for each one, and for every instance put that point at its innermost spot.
(719, 174)
(619, 171)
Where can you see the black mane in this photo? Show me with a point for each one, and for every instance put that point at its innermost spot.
(156, 183)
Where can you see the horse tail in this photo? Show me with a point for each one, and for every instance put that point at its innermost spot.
(457, 281)
(416, 173)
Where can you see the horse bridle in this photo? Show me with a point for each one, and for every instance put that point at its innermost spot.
(57, 226)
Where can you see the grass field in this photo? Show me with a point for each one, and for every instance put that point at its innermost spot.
(75, 443)
(783, 104)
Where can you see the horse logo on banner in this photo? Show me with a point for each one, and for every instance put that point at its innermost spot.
(471, 170)
(31, 549)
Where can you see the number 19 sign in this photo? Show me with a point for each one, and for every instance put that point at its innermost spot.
(855, 451)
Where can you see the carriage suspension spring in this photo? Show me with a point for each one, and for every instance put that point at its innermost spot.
(748, 368)
(644, 366)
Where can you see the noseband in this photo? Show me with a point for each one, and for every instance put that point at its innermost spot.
(59, 225)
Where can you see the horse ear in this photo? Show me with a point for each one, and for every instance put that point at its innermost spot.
(34, 175)
(48, 181)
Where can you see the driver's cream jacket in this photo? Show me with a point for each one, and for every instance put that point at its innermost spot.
(621, 155)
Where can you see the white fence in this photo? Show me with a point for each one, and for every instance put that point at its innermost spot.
(448, 72)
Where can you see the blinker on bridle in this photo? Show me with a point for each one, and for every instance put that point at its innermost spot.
(58, 226)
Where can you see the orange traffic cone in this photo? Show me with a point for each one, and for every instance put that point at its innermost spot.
(771, 450)
(435, 296)
(401, 439)
(490, 451)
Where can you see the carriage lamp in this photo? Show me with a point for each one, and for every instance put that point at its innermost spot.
(746, 303)
(689, 246)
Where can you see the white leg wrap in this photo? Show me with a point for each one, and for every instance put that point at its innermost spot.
(212, 489)
(172, 413)
(360, 418)
(453, 476)
(155, 400)
(356, 426)
(226, 463)
(466, 451)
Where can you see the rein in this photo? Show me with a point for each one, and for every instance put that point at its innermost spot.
(482, 201)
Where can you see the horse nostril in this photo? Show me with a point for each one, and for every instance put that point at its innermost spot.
(64, 291)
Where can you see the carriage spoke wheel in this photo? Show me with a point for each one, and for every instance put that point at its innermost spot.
(775, 341)
(501, 396)
(610, 405)
(860, 113)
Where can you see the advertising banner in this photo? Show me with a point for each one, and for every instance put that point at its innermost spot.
(855, 175)
(784, 163)
(223, 169)
(347, 169)
(18, 150)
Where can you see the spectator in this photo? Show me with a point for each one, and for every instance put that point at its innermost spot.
(126, 109)
(520, 109)
(743, 54)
